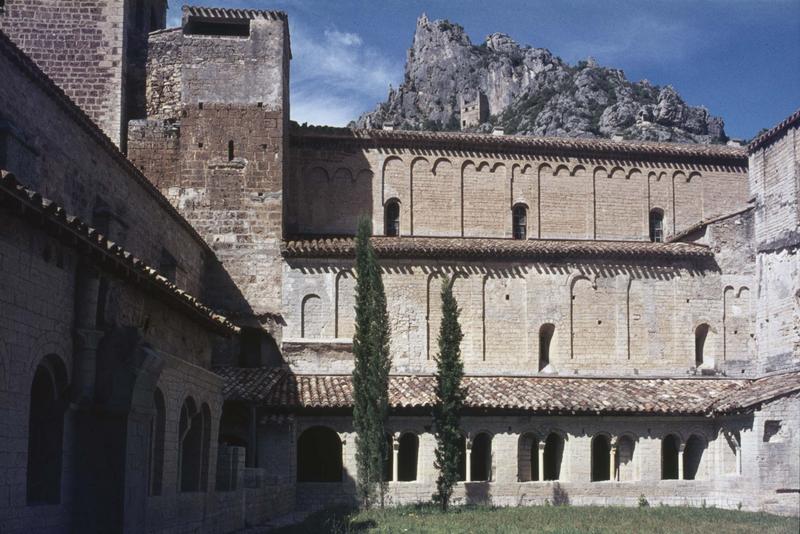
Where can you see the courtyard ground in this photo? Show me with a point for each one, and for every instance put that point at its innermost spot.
(549, 519)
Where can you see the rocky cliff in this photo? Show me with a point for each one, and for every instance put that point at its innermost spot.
(529, 91)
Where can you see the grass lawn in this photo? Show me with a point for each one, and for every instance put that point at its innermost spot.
(552, 519)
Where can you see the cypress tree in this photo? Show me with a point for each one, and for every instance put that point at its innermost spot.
(450, 397)
(371, 369)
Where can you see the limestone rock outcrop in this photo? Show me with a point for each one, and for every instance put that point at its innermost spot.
(530, 91)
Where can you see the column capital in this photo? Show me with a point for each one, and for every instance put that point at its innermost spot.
(87, 338)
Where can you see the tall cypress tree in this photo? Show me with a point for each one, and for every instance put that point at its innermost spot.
(371, 369)
(450, 397)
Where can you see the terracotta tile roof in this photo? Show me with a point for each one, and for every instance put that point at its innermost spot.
(760, 391)
(523, 144)
(30, 69)
(280, 389)
(705, 222)
(232, 13)
(467, 248)
(774, 132)
(73, 231)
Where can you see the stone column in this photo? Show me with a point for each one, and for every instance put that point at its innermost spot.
(613, 460)
(541, 461)
(681, 447)
(251, 454)
(469, 461)
(86, 343)
(395, 454)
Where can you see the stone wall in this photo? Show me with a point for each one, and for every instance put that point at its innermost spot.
(451, 194)
(775, 184)
(609, 317)
(88, 48)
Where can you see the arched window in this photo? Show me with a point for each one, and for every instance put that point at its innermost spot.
(528, 458)
(391, 225)
(656, 225)
(407, 454)
(553, 454)
(157, 427)
(601, 458)
(545, 339)
(700, 335)
(45, 433)
(319, 455)
(481, 458)
(519, 224)
(692, 457)
(193, 438)
(669, 457)
(625, 466)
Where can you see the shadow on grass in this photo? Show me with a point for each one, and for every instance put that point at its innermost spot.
(337, 520)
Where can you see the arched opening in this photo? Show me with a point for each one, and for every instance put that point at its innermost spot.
(692, 457)
(191, 434)
(407, 454)
(391, 225)
(481, 458)
(700, 335)
(157, 427)
(528, 458)
(462, 459)
(656, 225)
(205, 445)
(319, 455)
(553, 454)
(519, 223)
(669, 457)
(601, 459)
(46, 433)
(625, 466)
(545, 341)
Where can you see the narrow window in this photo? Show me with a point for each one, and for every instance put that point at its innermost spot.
(669, 457)
(656, 225)
(157, 425)
(407, 454)
(545, 338)
(601, 459)
(700, 335)
(230, 150)
(45, 438)
(520, 221)
(392, 219)
(692, 457)
(168, 266)
(553, 454)
(481, 458)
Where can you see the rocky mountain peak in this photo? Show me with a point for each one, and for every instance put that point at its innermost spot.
(529, 91)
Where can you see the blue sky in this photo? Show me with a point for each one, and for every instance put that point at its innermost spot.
(739, 58)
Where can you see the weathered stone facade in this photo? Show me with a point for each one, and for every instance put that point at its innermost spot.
(177, 327)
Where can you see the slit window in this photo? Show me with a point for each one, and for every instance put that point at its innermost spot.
(656, 225)
(392, 218)
(230, 151)
(520, 221)
(545, 339)
(700, 335)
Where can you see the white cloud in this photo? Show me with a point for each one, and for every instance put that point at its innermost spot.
(336, 76)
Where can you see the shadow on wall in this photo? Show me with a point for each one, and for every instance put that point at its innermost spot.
(478, 493)
(328, 197)
(560, 496)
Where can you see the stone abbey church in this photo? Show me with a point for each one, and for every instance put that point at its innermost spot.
(177, 292)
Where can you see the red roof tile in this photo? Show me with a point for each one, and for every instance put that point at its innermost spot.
(466, 248)
(536, 394)
(774, 132)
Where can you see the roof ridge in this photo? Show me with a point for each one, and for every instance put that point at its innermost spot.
(774, 132)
